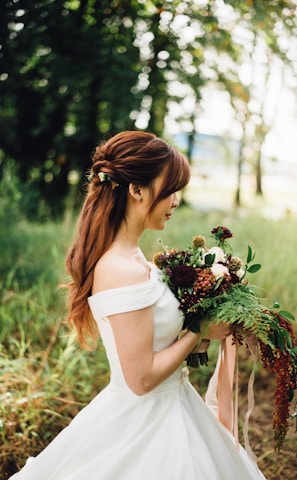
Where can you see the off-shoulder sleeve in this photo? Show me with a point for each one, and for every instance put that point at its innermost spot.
(126, 299)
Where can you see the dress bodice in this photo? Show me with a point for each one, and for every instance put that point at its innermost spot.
(168, 318)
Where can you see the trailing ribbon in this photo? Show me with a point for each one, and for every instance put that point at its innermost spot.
(252, 344)
(219, 395)
(225, 383)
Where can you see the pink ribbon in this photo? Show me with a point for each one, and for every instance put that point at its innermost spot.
(225, 384)
(252, 344)
(219, 395)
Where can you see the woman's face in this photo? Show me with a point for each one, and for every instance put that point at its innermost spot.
(161, 213)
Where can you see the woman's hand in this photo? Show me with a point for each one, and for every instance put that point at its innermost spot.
(202, 346)
(214, 331)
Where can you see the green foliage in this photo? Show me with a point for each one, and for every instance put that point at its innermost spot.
(75, 72)
(45, 378)
(59, 94)
(10, 194)
(240, 307)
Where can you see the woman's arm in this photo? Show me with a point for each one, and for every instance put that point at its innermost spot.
(143, 368)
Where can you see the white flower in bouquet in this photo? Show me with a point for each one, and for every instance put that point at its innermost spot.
(219, 270)
(240, 273)
(219, 254)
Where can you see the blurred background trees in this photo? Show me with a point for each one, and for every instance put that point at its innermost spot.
(74, 72)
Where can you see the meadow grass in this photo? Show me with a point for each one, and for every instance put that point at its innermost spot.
(46, 377)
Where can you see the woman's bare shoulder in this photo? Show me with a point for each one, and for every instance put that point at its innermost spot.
(115, 270)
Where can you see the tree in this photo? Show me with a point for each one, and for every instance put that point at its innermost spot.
(260, 31)
(67, 72)
(76, 71)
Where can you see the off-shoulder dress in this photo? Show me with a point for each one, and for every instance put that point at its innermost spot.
(166, 434)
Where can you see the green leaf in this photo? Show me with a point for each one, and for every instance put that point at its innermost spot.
(276, 304)
(280, 341)
(218, 283)
(254, 268)
(209, 259)
(291, 394)
(287, 336)
(250, 255)
(287, 315)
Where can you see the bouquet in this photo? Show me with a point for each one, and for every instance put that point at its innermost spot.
(211, 284)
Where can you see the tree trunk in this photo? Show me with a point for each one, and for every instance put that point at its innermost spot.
(258, 174)
(237, 199)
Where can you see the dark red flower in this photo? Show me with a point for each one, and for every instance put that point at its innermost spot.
(183, 276)
(221, 234)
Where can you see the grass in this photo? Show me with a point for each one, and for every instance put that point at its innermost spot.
(46, 377)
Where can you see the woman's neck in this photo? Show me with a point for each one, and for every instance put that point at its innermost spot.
(127, 236)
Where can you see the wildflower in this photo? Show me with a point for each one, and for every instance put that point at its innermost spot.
(199, 241)
(235, 264)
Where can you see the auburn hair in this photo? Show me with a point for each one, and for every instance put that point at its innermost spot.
(129, 157)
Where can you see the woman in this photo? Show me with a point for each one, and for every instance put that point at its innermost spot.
(149, 422)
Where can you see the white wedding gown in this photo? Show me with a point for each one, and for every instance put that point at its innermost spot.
(167, 434)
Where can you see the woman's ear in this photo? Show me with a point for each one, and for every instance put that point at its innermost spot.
(135, 192)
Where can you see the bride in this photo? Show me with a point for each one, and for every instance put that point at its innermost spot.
(149, 423)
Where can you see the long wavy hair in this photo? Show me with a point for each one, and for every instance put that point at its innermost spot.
(128, 157)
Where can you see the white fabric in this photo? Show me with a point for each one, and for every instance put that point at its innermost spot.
(167, 434)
